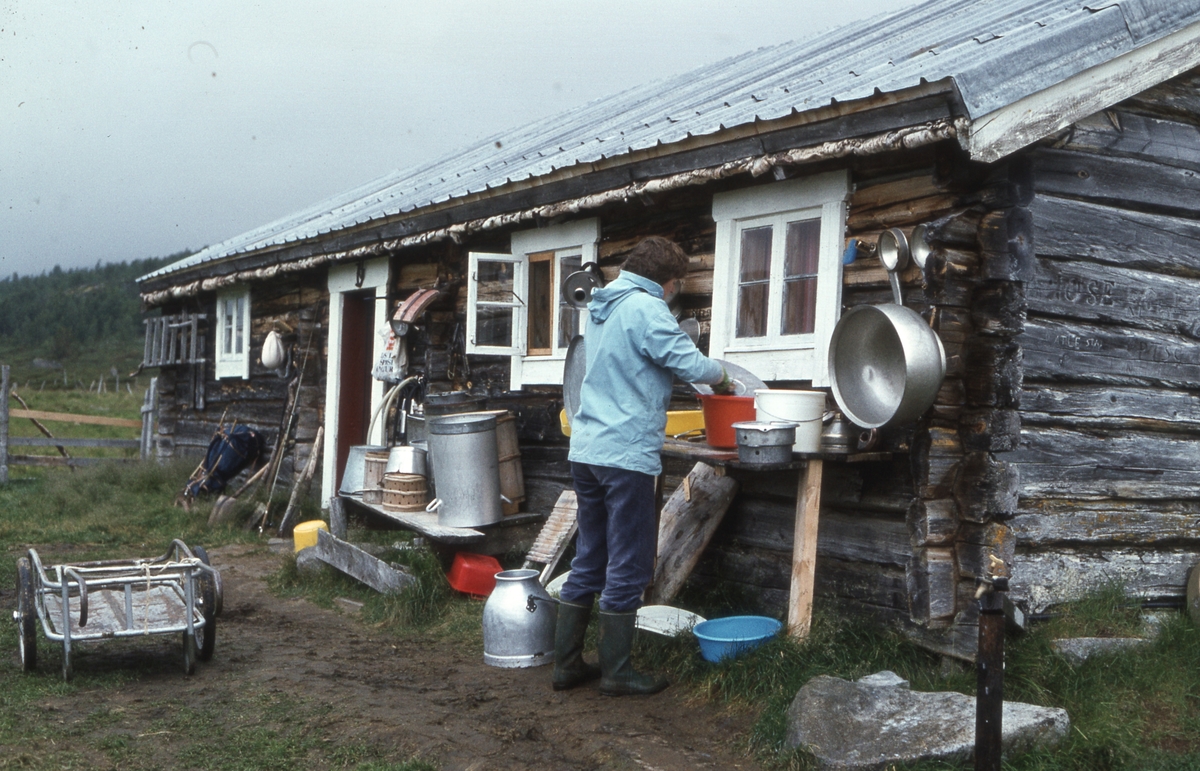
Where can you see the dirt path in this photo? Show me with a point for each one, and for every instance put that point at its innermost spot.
(432, 698)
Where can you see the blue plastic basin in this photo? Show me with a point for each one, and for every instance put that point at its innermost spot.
(722, 638)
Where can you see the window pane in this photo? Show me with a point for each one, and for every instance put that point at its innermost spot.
(239, 327)
(803, 248)
(756, 255)
(754, 276)
(227, 314)
(752, 310)
(801, 257)
(799, 306)
(493, 326)
(539, 306)
(495, 281)
(568, 317)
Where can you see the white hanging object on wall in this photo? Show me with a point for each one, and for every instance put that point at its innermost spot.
(273, 354)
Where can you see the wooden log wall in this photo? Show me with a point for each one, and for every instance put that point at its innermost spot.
(192, 401)
(1110, 490)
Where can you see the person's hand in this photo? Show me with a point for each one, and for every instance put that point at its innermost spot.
(725, 387)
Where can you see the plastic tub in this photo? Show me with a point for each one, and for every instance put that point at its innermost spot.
(804, 408)
(678, 421)
(720, 413)
(473, 574)
(722, 638)
(305, 534)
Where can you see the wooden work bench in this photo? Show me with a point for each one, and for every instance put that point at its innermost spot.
(810, 468)
(495, 538)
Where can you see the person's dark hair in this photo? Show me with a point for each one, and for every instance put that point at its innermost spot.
(658, 259)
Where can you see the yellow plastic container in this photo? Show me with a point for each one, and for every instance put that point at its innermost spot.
(305, 534)
(678, 421)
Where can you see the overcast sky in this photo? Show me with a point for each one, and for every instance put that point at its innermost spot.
(137, 129)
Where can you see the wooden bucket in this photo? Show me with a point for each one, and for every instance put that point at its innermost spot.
(374, 464)
(404, 492)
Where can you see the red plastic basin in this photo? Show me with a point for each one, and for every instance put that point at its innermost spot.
(473, 574)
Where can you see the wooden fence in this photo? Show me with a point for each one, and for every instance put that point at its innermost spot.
(144, 444)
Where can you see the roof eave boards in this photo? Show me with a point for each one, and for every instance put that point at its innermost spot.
(1025, 121)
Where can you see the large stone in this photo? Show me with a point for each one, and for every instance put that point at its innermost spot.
(848, 725)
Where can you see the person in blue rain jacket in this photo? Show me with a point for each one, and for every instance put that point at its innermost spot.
(635, 349)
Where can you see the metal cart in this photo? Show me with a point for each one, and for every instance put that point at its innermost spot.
(177, 593)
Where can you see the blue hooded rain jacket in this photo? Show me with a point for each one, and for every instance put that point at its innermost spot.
(634, 349)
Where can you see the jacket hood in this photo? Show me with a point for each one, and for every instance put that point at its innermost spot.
(606, 299)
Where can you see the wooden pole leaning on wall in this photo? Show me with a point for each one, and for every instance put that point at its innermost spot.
(300, 485)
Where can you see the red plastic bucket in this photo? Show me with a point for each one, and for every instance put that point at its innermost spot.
(720, 413)
(474, 574)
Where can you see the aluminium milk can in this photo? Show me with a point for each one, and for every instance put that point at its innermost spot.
(518, 631)
(466, 469)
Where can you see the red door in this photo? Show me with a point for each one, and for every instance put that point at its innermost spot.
(354, 373)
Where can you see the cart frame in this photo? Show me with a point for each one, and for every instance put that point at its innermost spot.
(178, 593)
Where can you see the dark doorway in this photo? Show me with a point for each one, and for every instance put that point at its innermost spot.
(354, 373)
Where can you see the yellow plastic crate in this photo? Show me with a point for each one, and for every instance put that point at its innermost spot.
(678, 421)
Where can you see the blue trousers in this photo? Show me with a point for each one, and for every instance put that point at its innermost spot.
(617, 540)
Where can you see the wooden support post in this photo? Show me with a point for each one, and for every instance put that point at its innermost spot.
(804, 549)
(3, 424)
(337, 517)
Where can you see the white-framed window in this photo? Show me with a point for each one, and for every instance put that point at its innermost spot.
(233, 332)
(777, 289)
(514, 301)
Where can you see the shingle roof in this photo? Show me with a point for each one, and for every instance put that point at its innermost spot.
(995, 51)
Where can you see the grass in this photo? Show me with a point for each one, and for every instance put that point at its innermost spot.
(1134, 710)
(122, 511)
(1138, 710)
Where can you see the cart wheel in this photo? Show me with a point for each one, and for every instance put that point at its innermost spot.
(26, 615)
(208, 604)
(218, 590)
(189, 653)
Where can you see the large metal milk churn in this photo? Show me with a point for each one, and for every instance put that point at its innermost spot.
(518, 622)
(466, 475)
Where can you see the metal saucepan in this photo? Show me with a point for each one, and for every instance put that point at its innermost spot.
(885, 363)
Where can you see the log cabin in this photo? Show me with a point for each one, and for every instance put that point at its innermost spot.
(1051, 149)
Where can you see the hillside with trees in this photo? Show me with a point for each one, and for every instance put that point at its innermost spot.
(64, 327)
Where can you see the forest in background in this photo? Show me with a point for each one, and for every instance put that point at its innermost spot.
(69, 328)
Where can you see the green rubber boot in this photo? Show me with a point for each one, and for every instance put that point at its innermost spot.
(618, 677)
(570, 669)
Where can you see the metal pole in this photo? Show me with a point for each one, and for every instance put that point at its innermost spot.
(989, 695)
(3, 424)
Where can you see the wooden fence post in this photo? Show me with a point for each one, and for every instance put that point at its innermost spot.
(3, 424)
(149, 413)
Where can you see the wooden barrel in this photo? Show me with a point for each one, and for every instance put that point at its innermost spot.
(508, 451)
